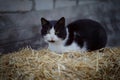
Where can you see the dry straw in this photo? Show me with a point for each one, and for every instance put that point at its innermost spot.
(29, 64)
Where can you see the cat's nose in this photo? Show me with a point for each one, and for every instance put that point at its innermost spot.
(52, 38)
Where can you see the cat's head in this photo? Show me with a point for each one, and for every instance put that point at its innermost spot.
(53, 31)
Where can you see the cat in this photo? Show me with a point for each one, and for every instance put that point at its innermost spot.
(80, 35)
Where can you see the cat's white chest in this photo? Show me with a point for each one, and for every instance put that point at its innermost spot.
(56, 48)
(60, 48)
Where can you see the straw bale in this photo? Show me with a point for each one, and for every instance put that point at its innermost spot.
(29, 64)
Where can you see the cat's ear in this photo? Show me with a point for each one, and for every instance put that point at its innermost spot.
(44, 21)
(61, 21)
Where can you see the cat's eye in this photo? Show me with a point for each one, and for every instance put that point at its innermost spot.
(48, 32)
(56, 32)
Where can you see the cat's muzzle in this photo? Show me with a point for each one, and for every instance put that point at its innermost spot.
(51, 41)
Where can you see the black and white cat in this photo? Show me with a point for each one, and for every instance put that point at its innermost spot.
(81, 35)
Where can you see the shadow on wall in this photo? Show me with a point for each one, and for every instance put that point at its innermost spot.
(13, 38)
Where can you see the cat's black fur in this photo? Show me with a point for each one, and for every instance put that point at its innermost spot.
(87, 31)
(80, 31)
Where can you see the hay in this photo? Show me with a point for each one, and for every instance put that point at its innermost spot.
(29, 64)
